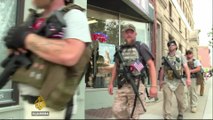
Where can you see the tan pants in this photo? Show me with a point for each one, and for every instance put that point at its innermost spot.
(186, 97)
(124, 102)
(193, 93)
(167, 100)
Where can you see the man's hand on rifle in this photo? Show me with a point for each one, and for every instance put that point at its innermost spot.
(16, 37)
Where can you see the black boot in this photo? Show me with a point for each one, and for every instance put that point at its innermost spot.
(180, 117)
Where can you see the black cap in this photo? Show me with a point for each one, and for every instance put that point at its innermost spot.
(189, 52)
(171, 42)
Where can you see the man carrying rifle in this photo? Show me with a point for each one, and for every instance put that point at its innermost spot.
(196, 77)
(171, 81)
(130, 61)
(56, 41)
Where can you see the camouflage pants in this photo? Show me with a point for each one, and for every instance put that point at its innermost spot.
(124, 102)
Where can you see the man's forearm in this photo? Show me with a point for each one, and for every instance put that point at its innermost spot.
(114, 74)
(41, 45)
(187, 71)
(65, 52)
(152, 74)
(197, 69)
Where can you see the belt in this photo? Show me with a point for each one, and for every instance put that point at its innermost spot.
(30, 99)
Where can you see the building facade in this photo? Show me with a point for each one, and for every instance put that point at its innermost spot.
(174, 21)
(194, 42)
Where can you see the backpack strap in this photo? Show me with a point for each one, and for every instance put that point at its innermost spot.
(137, 46)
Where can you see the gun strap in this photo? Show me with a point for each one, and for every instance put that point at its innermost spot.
(135, 100)
(68, 113)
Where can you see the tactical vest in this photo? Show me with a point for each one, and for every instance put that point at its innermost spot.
(132, 59)
(57, 83)
(176, 62)
(192, 66)
(199, 76)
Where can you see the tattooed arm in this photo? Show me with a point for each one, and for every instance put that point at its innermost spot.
(65, 52)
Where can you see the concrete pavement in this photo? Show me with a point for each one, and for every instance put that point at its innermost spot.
(208, 108)
(204, 108)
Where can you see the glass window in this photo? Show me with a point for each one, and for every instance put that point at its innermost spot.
(107, 25)
(8, 8)
(105, 28)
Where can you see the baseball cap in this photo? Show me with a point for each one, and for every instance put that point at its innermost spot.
(171, 42)
(189, 52)
(128, 27)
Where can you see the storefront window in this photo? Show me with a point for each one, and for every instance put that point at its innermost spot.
(108, 25)
(103, 51)
(8, 10)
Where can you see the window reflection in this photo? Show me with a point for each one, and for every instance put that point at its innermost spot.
(102, 60)
(7, 20)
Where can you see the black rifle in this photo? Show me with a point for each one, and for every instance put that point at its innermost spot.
(13, 62)
(128, 77)
(178, 76)
(147, 75)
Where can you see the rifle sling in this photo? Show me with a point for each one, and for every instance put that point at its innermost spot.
(135, 100)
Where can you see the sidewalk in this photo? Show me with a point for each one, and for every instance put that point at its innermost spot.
(204, 108)
(208, 109)
(154, 109)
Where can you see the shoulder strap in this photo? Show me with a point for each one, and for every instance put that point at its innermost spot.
(72, 6)
(137, 46)
(62, 12)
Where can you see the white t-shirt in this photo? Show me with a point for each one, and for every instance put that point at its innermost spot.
(197, 63)
(76, 27)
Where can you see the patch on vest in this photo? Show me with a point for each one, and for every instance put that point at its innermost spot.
(131, 59)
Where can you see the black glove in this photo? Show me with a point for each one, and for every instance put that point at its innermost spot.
(16, 36)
